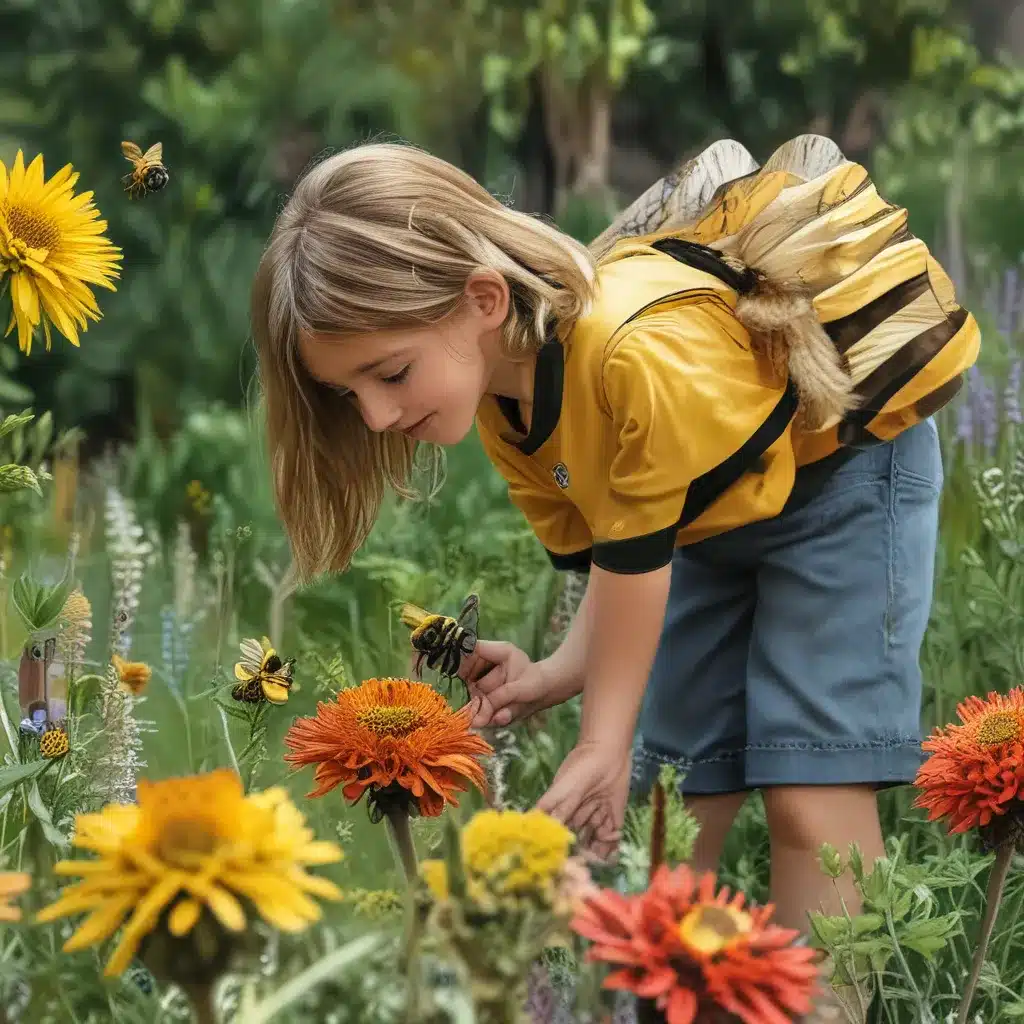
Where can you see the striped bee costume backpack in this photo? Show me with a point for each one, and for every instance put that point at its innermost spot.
(831, 284)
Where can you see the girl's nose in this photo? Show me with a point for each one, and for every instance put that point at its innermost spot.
(378, 413)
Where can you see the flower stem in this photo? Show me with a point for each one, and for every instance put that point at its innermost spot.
(401, 842)
(993, 897)
(201, 998)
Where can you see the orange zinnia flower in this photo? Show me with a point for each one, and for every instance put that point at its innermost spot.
(691, 950)
(976, 770)
(391, 734)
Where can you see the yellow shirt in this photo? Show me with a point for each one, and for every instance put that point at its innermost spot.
(638, 411)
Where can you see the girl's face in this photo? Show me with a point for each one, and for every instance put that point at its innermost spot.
(424, 382)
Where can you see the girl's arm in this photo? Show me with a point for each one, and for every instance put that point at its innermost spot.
(568, 662)
(625, 617)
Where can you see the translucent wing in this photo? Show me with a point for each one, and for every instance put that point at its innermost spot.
(155, 154)
(131, 151)
(806, 156)
(469, 617)
(682, 196)
(252, 653)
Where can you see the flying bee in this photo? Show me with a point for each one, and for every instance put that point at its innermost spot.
(262, 674)
(440, 640)
(148, 172)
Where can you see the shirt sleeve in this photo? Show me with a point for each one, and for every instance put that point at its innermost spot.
(684, 396)
(555, 520)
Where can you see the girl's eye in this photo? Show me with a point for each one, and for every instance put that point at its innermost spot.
(397, 378)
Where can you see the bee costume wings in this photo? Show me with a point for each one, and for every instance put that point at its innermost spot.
(832, 286)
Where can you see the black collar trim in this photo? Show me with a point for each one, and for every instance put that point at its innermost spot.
(548, 382)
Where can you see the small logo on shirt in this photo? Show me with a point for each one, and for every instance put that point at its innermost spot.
(561, 475)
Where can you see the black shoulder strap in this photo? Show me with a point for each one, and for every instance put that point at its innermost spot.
(710, 486)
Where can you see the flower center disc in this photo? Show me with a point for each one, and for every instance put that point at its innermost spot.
(384, 720)
(182, 838)
(998, 727)
(36, 230)
(709, 929)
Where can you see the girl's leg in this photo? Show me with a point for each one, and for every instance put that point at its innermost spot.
(715, 815)
(834, 683)
(798, 818)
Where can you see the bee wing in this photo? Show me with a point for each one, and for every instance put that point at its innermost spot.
(413, 616)
(469, 617)
(252, 652)
(155, 154)
(131, 151)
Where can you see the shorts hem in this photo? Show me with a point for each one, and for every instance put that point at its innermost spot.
(879, 764)
(891, 763)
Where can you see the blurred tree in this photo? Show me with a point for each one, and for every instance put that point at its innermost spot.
(241, 93)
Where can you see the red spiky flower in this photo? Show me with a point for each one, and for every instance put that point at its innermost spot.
(693, 951)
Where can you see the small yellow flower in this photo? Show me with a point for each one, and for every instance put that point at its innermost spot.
(375, 903)
(133, 675)
(191, 847)
(12, 883)
(435, 874)
(54, 742)
(198, 497)
(53, 247)
(520, 853)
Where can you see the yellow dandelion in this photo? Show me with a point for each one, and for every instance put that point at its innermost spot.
(52, 245)
(12, 883)
(133, 676)
(192, 848)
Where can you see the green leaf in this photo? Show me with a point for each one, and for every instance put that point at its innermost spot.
(51, 603)
(14, 421)
(233, 710)
(53, 835)
(85, 689)
(16, 774)
(24, 594)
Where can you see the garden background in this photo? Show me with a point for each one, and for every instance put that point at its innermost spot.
(568, 109)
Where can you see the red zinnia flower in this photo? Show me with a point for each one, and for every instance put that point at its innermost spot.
(391, 733)
(690, 949)
(976, 769)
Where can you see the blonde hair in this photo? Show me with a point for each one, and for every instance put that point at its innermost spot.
(383, 236)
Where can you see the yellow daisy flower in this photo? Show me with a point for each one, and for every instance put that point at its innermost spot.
(12, 883)
(190, 846)
(53, 247)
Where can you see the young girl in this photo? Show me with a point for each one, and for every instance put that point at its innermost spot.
(725, 420)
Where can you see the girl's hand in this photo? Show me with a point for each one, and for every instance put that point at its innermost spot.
(589, 794)
(507, 686)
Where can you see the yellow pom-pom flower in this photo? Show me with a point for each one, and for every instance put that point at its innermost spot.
(519, 853)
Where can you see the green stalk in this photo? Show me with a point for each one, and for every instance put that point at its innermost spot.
(402, 844)
(993, 898)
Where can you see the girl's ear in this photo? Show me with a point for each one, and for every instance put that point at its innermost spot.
(488, 297)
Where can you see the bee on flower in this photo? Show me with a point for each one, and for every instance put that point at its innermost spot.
(262, 674)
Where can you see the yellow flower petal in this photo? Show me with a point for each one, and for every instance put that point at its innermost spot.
(101, 923)
(183, 917)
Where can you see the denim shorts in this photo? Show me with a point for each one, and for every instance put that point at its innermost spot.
(790, 650)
